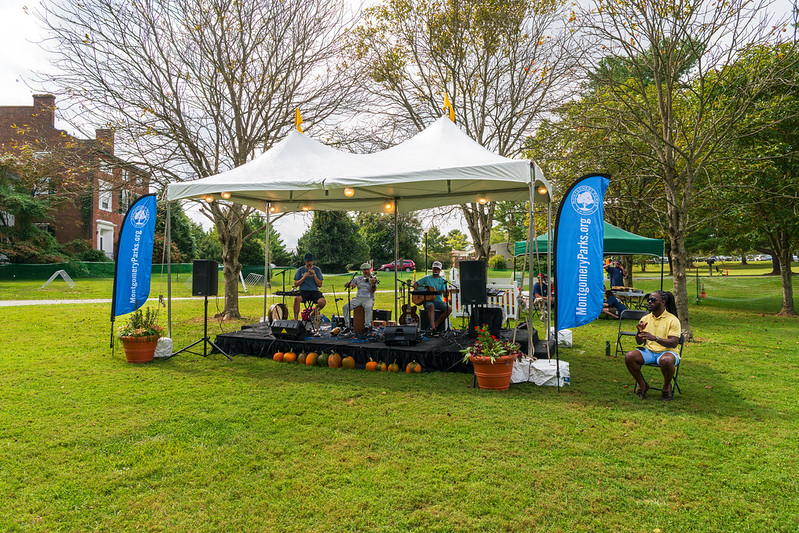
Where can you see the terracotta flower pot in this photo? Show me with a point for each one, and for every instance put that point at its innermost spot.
(140, 349)
(493, 376)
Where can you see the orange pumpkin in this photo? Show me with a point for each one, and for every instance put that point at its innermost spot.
(371, 366)
(334, 361)
(278, 357)
(383, 367)
(290, 357)
(348, 362)
(413, 366)
(394, 367)
(311, 358)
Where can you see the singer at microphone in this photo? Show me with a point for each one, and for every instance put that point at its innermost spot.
(364, 297)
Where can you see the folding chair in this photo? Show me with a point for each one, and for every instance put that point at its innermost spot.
(676, 368)
(627, 314)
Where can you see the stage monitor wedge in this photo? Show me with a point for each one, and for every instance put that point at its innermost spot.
(288, 329)
(401, 335)
(474, 282)
(205, 278)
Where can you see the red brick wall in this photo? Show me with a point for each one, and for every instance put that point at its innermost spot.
(34, 126)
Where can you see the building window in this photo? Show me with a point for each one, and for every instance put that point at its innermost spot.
(124, 200)
(42, 188)
(105, 195)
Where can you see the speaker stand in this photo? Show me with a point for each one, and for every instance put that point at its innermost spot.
(206, 340)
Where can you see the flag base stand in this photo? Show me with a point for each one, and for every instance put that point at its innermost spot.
(205, 340)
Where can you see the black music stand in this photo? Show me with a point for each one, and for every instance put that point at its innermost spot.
(206, 340)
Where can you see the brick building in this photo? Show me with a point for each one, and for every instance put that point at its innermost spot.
(102, 186)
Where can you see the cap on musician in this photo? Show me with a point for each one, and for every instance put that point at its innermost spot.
(366, 266)
(308, 257)
(436, 264)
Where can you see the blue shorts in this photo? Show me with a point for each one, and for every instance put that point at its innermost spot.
(439, 305)
(653, 358)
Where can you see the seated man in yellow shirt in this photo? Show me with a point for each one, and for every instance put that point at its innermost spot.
(659, 332)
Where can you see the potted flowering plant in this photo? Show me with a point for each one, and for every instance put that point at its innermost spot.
(140, 335)
(492, 359)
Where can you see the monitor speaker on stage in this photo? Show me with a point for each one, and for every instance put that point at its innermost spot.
(205, 277)
(473, 282)
(288, 329)
(491, 316)
(401, 335)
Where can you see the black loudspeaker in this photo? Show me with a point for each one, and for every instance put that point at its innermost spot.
(491, 316)
(288, 329)
(204, 278)
(381, 314)
(401, 335)
(473, 282)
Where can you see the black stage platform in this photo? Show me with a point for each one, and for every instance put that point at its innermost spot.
(434, 354)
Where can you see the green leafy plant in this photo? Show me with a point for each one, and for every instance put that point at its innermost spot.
(487, 345)
(142, 324)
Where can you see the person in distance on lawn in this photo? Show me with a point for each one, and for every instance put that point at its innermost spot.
(541, 295)
(659, 332)
(612, 306)
(308, 278)
(615, 274)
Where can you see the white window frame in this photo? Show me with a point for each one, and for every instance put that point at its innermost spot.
(104, 194)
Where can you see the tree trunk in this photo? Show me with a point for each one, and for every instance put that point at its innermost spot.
(678, 220)
(781, 258)
(229, 227)
(479, 219)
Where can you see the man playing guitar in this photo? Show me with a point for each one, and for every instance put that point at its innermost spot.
(434, 282)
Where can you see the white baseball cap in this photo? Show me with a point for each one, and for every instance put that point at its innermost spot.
(366, 266)
(436, 264)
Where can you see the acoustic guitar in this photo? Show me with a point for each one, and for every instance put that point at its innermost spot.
(428, 294)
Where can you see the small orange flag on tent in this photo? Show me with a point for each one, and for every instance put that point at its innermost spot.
(448, 107)
(298, 119)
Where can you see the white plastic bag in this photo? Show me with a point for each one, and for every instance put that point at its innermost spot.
(564, 337)
(164, 348)
(544, 372)
(521, 371)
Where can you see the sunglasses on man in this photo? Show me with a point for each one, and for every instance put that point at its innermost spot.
(650, 299)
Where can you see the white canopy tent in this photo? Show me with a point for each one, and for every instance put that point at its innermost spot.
(439, 166)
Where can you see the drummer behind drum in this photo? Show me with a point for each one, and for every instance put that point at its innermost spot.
(365, 297)
(308, 278)
(436, 283)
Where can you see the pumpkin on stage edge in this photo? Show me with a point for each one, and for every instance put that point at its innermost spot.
(334, 361)
(311, 358)
(278, 357)
(371, 366)
(413, 366)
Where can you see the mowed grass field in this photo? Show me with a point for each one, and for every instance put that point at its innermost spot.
(89, 442)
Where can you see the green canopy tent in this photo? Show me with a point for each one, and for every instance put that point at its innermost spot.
(616, 242)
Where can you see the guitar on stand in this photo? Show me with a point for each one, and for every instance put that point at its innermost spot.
(408, 316)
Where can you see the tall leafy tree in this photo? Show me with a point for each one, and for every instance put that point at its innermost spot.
(763, 167)
(196, 87)
(502, 63)
(663, 91)
(334, 240)
(377, 230)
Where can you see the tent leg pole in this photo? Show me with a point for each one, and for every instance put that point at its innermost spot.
(267, 266)
(168, 237)
(396, 259)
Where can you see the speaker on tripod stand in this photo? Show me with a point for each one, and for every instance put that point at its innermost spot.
(204, 282)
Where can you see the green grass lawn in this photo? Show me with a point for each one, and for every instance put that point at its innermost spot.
(89, 442)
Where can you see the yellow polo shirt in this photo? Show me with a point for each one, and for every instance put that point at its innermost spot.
(664, 326)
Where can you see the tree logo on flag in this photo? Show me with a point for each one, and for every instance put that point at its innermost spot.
(140, 216)
(585, 200)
